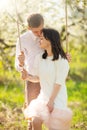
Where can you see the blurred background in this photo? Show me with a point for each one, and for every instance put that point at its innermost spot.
(11, 85)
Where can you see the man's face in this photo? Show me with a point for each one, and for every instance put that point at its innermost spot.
(37, 31)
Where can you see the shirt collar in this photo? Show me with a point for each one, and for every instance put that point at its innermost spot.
(34, 37)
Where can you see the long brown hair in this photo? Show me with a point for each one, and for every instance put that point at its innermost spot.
(54, 37)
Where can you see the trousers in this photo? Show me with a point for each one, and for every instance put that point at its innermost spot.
(32, 90)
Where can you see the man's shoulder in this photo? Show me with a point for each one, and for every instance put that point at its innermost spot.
(26, 35)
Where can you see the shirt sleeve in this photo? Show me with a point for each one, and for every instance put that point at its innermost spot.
(18, 68)
(62, 69)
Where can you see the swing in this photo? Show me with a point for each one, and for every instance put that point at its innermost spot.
(66, 29)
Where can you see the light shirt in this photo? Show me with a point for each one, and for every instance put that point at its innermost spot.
(30, 47)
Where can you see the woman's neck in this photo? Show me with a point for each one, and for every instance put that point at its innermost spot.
(49, 52)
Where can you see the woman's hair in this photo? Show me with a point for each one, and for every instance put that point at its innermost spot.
(35, 20)
(54, 37)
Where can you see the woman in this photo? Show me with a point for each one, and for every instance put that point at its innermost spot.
(51, 69)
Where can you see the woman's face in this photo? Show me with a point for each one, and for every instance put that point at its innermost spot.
(44, 43)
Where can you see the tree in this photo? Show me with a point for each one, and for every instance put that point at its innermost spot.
(53, 12)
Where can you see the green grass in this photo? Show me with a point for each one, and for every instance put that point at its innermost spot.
(11, 103)
(12, 99)
(78, 102)
(12, 96)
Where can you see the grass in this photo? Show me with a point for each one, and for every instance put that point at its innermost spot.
(78, 103)
(12, 96)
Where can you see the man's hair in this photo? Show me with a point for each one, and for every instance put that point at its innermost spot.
(35, 20)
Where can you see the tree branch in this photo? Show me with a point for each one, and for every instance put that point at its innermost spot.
(5, 44)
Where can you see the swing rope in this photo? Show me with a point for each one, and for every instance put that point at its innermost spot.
(30, 120)
(17, 21)
(66, 26)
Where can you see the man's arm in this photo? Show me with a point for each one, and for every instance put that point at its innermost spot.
(26, 76)
(69, 58)
(19, 57)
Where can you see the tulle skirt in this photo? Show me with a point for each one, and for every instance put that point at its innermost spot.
(58, 119)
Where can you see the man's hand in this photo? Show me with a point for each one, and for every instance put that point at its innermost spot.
(24, 74)
(68, 57)
(21, 59)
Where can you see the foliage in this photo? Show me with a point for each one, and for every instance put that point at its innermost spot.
(53, 12)
(12, 94)
(12, 87)
(11, 108)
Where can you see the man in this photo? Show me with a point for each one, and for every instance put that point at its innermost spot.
(29, 49)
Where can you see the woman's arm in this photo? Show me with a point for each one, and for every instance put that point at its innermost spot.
(55, 91)
(26, 76)
(61, 68)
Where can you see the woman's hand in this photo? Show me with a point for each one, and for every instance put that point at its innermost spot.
(24, 74)
(50, 105)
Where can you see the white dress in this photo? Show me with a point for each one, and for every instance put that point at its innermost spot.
(51, 72)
